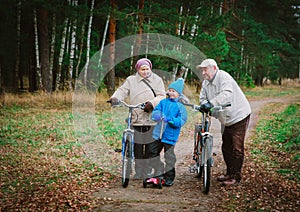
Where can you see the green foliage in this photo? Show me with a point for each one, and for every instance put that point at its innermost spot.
(214, 45)
(246, 40)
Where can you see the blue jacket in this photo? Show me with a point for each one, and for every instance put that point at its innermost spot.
(176, 114)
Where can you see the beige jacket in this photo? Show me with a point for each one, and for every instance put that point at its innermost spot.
(221, 90)
(139, 92)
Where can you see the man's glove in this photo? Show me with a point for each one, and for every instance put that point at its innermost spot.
(206, 107)
(148, 107)
(114, 101)
(156, 116)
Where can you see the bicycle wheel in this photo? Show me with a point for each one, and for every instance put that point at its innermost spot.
(127, 160)
(206, 175)
(199, 167)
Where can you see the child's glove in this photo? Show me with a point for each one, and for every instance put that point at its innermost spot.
(168, 120)
(156, 116)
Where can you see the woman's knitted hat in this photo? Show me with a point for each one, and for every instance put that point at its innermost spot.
(177, 85)
(142, 62)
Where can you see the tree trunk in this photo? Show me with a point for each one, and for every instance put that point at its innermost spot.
(242, 46)
(138, 41)
(140, 26)
(52, 49)
(88, 42)
(112, 38)
(2, 97)
(72, 53)
(37, 54)
(32, 78)
(80, 50)
(72, 50)
(61, 55)
(178, 24)
(103, 39)
(17, 65)
(44, 38)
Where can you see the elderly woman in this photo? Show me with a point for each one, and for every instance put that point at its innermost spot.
(144, 86)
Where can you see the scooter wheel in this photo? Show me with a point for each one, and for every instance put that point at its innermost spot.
(145, 183)
(160, 184)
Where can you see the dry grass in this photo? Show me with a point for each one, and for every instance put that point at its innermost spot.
(64, 99)
(38, 99)
(44, 100)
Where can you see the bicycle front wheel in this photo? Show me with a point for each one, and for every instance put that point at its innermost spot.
(127, 160)
(206, 175)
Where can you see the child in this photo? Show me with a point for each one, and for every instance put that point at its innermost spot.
(171, 115)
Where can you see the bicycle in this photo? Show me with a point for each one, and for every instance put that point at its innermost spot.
(128, 143)
(203, 145)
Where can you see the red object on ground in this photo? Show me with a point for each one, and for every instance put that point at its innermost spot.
(154, 181)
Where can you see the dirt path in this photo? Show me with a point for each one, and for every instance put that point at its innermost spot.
(185, 194)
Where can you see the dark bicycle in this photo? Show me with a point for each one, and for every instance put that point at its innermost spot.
(203, 145)
(128, 144)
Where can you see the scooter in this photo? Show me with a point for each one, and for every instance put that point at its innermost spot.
(155, 181)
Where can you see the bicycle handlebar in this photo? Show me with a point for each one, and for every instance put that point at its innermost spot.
(139, 105)
(122, 103)
(220, 107)
(198, 107)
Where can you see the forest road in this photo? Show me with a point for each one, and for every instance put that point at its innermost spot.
(186, 193)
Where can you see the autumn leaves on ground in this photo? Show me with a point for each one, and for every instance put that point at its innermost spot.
(43, 167)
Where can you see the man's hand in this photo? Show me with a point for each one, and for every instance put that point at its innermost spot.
(114, 101)
(148, 107)
(206, 107)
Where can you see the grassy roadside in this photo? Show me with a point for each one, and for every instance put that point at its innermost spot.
(277, 140)
(42, 165)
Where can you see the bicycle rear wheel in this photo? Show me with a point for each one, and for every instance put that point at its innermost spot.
(127, 160)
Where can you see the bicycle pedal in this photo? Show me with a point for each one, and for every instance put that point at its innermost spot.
(118, 150)
(195, 157)
(192, 169)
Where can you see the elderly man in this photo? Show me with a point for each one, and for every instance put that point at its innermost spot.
(144, 86)
(220, 88)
